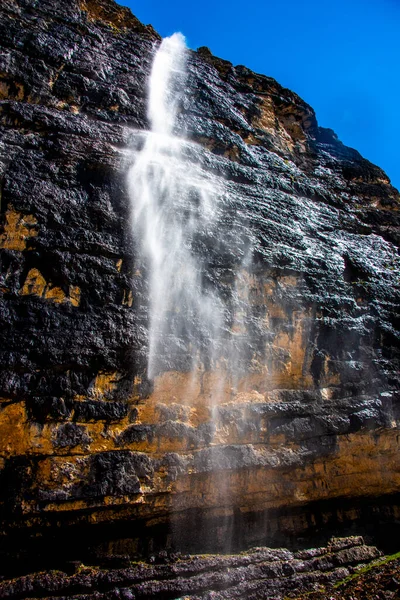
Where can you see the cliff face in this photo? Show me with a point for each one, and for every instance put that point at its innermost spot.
(309, 429)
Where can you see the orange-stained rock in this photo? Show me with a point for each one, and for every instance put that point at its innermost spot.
(18, 229)
(290, 425)
(36, 285)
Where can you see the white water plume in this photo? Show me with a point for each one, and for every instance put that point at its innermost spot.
(173, 202)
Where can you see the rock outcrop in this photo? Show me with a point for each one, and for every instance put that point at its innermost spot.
(306, 440)
(258, 574)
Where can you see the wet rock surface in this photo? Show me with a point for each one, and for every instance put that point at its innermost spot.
(312, 415)
(259, 573)
(381, 581)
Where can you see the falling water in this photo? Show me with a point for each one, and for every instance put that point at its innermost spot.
(174, 203)
(189, 236)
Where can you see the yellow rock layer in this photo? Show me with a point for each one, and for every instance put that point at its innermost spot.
(105, 383)
(285, 129)
(113, 15)
(127, 299)
(10, 90)
(363, 464)
(36, 285)
(18, 229)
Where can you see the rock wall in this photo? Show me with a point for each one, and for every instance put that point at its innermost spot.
(85, 439)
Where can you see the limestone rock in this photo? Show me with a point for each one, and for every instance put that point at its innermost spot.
(259, 574)
(307, 440)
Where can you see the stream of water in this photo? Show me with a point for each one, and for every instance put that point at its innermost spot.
(175, 207)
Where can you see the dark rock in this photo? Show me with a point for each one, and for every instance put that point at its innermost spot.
(70, 435)
(115, 473)
(263, 573)
(136, 433)
(92, 410)
(308, 422)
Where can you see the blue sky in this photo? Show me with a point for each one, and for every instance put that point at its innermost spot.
(341, 56)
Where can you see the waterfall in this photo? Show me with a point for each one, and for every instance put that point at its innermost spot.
(173, 203)
(191, 239)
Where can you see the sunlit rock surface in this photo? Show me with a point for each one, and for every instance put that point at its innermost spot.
(259, 574)
(305, 437)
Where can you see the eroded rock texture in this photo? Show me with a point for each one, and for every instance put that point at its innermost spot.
(307, 438)
(260, 574)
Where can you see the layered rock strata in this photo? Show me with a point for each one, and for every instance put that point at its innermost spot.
(309, 430)
(258, 574)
